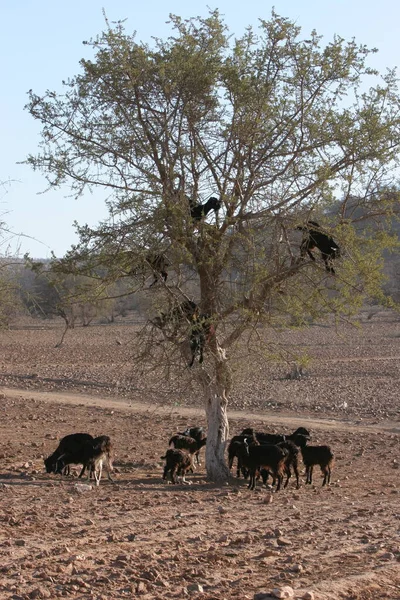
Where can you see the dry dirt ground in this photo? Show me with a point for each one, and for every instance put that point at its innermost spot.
(141, 538)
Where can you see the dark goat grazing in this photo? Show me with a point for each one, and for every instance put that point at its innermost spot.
(69, 444)
(178, 462)
(202, 210)
(313, 237)
(192, 445)
(318, 455)
(269, 457)
(91, 455)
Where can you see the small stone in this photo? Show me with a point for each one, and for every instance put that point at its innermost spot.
(195, 587)
(123, 557)
(39, 593)
(76, 558)
(297, 568)
(283, 542)
(308, 596)
(387, 556)
(67, 569)
(141, 587)
(81, 488)
(267, 553)
(20, 542)
(284, 592)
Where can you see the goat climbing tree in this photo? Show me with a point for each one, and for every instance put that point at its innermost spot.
(280, 128)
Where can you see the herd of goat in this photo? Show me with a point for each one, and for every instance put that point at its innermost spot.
(258, 454)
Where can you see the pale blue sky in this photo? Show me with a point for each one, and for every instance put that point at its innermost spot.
(41, 44)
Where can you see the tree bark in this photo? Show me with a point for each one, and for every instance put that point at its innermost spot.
(216, 392)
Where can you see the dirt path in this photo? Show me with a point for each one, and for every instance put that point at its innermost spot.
(151, 407)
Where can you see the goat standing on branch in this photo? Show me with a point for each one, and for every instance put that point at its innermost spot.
(313, 237)
(200, 326)
(201, 210)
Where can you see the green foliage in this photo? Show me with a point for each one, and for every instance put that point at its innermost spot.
(278, 126)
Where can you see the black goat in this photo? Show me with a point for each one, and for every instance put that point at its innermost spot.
(318, 455)
(70, 444)
(234, 450)
(192, 445)
(184, 310)
(91, 455)
(178, 462)
(159, 264)
(195, 432)
(300, 431)
(270, 457)
(264, 438)
(201, 210)
(299, 437)
(200, 330)
(200, 326)
(291, 462)
(313, 237)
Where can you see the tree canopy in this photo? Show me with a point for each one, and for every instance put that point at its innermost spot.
(282, 129)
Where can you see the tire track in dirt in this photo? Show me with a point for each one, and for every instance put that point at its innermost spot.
(185, 411)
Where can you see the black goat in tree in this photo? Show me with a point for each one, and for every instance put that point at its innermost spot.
(313, 237)
(200, 326)
(201, 330)
(197, 212)
(159, 263)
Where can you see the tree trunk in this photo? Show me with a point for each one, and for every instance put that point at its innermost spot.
(216, 397)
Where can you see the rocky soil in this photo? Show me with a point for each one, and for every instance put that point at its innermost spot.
(142, 538)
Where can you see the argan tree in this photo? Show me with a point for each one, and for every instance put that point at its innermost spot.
(279, 127)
